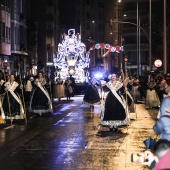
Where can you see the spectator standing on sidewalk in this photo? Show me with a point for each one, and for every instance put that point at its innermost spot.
(161, 88)
(142, 87)
(58, 89)
(167, 86)
(135, 89)
(162, 125)
(160, 160)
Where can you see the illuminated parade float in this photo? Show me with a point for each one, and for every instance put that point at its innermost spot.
(72, 58)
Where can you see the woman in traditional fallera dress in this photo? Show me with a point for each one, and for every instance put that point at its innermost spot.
(114, 111)
(2, 115)
(91, 96)
(40, 99)
(68, 88)
(2, 91)
(59, 88)
(12, 104)
(152, 98)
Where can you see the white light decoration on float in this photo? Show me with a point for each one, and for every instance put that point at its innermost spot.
(71, 57)
(97, 46)
(108, 47)
(113, 49)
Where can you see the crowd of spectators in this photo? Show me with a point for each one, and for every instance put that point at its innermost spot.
(154, 89)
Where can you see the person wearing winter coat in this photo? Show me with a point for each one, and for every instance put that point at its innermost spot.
(163, 123)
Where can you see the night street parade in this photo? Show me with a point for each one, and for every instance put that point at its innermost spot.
(84, 85)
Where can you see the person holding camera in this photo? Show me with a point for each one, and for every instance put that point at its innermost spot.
(160, 160)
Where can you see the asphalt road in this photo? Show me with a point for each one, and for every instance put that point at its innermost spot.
(72, 139)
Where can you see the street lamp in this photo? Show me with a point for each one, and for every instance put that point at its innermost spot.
(137, 14)
(165, 40)
(93, 24)
(122, 22)
(138, 27)
(150, 35)
(149, 38)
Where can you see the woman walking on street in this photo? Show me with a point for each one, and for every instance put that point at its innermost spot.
(12, 104)
(152, 99)
(59, 88)
(114, 111)
(40, 100)
(91, 96)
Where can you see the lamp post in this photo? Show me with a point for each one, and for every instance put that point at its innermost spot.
(122, 22)
(121, 55)
(137, 21)
(126, 72)
(138, 32)
(150, 35)
(165, 41)
(93, 24)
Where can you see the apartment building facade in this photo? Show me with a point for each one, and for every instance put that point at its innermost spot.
(5, 27)
(44, 34)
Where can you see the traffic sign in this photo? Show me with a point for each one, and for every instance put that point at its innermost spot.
(158, 63)
(4, 65)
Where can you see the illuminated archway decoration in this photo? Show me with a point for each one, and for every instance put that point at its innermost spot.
(108, 47)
